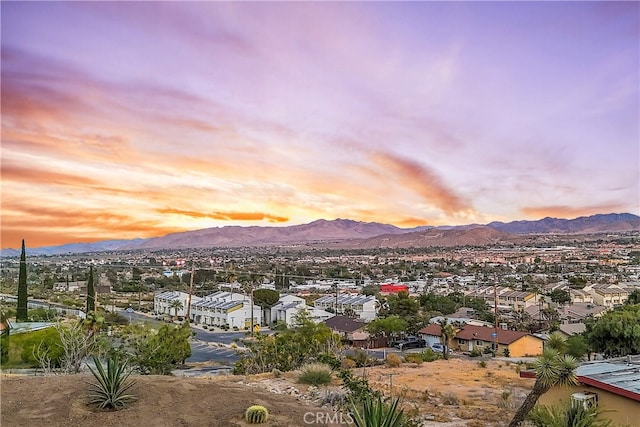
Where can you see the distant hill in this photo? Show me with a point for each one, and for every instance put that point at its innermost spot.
(600, 223)
(320, 230)
(463, 236)
(355, 234)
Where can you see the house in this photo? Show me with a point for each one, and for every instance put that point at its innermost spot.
(431, 334)
(483, 338)
(352, 332)
(570, 329)
(480, 338)
(289, 306)
(365, 307)
(226, 309)
(612, 385)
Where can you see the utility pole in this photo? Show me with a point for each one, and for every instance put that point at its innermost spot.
(251, 309)
(193, 269)
(495, 315)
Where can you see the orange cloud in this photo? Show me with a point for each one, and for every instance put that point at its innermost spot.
(12, 172)
(421, 180)
(226, 216)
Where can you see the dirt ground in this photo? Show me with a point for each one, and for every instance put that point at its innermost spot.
(443, 393)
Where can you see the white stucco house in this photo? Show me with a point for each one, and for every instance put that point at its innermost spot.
(289, 306)
(365, 307)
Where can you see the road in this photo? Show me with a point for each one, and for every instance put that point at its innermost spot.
(206, 346)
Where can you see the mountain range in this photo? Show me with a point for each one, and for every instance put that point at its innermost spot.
(345, 233)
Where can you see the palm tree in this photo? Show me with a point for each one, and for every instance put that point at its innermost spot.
(176, 304)
(552, 369)
(447, 332)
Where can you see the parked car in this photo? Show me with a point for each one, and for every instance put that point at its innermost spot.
(439, 348)
(412, 343)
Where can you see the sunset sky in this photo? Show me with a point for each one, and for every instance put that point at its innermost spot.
(136, 119)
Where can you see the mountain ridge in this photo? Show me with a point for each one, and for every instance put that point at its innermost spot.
(341, 230)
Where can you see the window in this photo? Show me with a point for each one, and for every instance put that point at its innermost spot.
(479, 342)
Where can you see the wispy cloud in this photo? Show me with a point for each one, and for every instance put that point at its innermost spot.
(226, 216)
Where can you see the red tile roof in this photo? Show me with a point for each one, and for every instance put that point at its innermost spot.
(432, 329)
(505, 337)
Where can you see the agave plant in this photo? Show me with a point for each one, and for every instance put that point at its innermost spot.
(376, 413)
(110, 389)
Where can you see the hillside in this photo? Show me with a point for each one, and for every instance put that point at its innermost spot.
(476, 236)
(453, 393)
(344, 233)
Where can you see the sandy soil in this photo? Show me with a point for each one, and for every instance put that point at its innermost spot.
(451, 393)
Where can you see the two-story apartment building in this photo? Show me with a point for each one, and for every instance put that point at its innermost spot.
(607, 294)
(364, 307)
(289, 307)
(163, 303)
(226, 308)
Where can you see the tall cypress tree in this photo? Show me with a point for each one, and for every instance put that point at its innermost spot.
(91, 293)
(21, 312)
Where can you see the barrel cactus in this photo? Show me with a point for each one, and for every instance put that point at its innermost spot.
(256, 414)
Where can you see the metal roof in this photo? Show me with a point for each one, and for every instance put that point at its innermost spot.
(620, 378)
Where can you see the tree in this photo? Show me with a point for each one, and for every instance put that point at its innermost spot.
(21, 313)
(266, 298)
(387, 326)
(634, 297)
(447, 332)
(91, 292)
(560, 296)
(176, 304)
(552, 368)
(616, 333)
(157, 353)
(577, 346)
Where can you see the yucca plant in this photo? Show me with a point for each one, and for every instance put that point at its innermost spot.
(110, 389)
(256, 414)
(376, 413)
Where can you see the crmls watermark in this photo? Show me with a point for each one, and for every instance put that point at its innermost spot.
(324, 418)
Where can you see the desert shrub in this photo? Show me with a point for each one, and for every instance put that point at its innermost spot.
(360, 357)
(393, 360)
(475, 353)
(348, 363)
(277, 373)
(506, 352)
(110, 389)
(315, 374)
(256, 414)
(482, 364)
(450, 399)
(429, 355)
(4, 346)
(414, 358)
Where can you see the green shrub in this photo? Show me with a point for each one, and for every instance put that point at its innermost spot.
(414, 358)
(45, 341)
(429, 355)
(482, 364)
(475, 353)
(315, 374)
(110, 389)
(256, 414)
